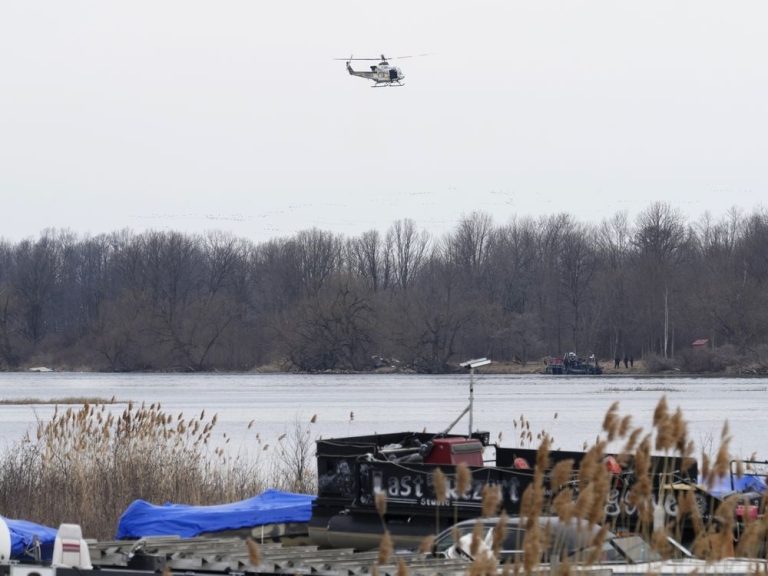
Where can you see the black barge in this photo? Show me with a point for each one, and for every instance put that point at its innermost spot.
(352, 470)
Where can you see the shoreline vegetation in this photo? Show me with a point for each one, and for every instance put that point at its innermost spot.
(683, 295)
(655, 368)
(77, 400)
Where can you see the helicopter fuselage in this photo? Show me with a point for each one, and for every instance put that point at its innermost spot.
(381, 74)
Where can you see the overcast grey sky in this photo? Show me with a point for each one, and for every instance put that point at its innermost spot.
(233, 115)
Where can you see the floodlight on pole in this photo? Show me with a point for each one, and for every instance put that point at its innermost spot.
(472, 364)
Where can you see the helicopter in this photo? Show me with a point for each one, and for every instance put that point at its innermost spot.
(382, 74)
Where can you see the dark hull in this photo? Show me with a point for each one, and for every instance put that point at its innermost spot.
(352, 470)
(580, 368)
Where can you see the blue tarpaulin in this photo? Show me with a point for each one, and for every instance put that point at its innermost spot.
(746, 483)
(23, 535)
(142, 519)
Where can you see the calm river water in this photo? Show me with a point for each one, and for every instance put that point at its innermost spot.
(570, 409)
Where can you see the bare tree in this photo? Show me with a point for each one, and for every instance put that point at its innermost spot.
(10, 328)
(614, 252)
(36, 274)
(660, 241)
(468, 246)
(552, 233)
(331, 330)
(369, 258)
(437, 314)
(318, 256)
(578, 264)
(408, 251)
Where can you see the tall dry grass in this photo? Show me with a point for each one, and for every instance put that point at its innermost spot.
(87, 465)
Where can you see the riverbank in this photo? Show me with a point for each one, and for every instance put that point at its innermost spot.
(639, 368)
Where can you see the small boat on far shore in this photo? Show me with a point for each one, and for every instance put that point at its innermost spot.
(571, 363)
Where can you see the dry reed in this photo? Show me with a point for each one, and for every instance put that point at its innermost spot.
(425, 546)
(87, 465)
(463, 479)
(386, 548)
(381, 503)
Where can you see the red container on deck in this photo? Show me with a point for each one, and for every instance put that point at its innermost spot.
(454, 451)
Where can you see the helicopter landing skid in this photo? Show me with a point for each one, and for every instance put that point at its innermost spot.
(388, 85)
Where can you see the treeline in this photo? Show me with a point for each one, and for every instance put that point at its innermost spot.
(318, 301)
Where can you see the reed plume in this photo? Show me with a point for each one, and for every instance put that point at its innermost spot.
(563, 505)
(595, 550)
(463, 484)
(385, 548)
(491, 500)
(661, 412)
(625, 425)
(463, 479)
(561, 474)
(381, 503)
(499, 533)
(477, 539)
(752, 538)
(426, 544)
(441, 486)
(640, 493)
(441, 494)
(483, 565)
(721, 466)
(680, 432)
(611, 421)
(660, 543)
(532, 546)
(601, 483)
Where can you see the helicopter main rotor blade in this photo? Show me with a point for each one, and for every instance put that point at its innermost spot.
(412, 56)
(348, 59)
(384, 58)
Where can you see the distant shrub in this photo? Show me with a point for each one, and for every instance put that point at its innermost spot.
(701, 361)
(754, 363)
(656, 363)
